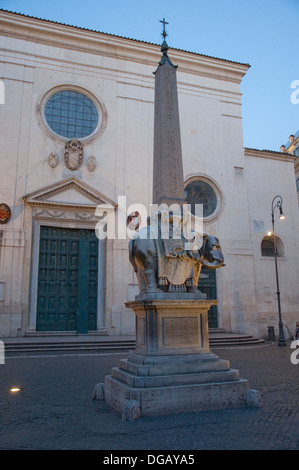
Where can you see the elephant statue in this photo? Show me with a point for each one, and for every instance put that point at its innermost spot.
(172, 264)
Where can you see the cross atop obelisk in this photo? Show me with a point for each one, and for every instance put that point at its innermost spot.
(164, 34)
(168, 178)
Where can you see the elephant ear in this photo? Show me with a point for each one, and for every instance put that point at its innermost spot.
(203, 249)
(132, 255)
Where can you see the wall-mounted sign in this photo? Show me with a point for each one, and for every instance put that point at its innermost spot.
(134, 220)
(5, 213)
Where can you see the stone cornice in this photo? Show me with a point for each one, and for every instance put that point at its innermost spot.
(79, 39)
(286, 157)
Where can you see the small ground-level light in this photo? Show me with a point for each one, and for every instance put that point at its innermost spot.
(15, 389)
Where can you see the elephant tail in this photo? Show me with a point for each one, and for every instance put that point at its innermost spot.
(132, 254)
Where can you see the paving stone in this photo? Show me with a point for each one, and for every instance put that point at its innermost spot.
(55, 408)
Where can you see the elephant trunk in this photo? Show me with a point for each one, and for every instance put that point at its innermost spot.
(212, 265)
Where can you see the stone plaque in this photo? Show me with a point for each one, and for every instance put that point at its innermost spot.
(239, 171)
(180, 330)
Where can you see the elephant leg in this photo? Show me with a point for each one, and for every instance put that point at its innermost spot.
(152, 285)
(196, 273)
(195, 277)
(151, 274)
(141, 282)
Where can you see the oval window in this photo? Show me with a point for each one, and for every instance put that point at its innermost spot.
(71, 114)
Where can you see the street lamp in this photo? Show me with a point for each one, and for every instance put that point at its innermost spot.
(277, 203)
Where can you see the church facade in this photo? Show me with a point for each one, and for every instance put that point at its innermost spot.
(77, 131)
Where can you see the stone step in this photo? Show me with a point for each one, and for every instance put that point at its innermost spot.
(137, 381)
(226, 340)
(69, 344)
(69, 347)
(174, 398)
(173, 365)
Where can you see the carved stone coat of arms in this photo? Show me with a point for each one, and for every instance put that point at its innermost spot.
(73, 154)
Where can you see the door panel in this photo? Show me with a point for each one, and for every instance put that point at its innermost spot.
(67, 280)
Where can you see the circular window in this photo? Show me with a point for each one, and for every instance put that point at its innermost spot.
(200, 192)
(67, 112)
(71, 114)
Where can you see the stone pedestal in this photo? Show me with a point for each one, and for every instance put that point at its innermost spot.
(172, 369)
(171, 326)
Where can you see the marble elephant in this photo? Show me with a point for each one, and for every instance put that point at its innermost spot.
(145, 257)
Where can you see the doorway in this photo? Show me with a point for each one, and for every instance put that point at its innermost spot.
(67, 280)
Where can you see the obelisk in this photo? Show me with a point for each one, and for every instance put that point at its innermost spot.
(168, 177)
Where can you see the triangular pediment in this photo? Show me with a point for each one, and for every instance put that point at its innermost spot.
(70, 192)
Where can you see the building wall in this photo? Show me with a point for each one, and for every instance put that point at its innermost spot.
(39, 56)
(212, 141)
(292, 147)
(280, 171)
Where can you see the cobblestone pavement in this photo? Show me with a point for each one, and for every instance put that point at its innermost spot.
(55, 409)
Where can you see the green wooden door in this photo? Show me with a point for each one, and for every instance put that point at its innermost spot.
(67, 280)
(207, 285)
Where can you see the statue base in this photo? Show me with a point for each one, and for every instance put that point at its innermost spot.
(172, 368)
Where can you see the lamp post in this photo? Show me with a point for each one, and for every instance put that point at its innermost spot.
(277, 203)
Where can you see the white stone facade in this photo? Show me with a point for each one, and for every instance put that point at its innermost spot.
(39, 58)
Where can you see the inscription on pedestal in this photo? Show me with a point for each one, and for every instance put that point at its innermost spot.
(180, 331)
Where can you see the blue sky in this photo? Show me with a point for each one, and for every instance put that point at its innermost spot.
(263, 33)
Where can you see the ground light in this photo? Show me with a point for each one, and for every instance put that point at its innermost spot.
(15, 389)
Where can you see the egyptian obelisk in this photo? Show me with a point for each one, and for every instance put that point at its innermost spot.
(168, 177)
